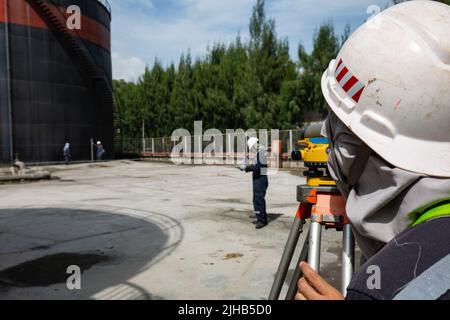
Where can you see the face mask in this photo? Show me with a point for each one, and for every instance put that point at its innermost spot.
(348, 154)
(382, 200)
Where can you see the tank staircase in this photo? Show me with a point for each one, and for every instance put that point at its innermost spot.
(76, 49)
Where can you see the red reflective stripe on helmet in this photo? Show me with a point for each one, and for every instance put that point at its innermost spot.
(339, 64)
(357, 96)
(350, 84)
(342, 74)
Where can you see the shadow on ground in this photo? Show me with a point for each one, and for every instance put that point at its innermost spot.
(271, 217)
(38, 245)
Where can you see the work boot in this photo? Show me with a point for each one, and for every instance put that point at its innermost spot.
(260, 225)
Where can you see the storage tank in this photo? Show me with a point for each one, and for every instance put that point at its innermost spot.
(55, 81)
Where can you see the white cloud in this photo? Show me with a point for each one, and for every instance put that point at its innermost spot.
(149, 34)
(299, 19)
(130, 3)
(143, 30)
(127, 68)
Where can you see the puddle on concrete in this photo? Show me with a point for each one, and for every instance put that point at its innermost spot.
(59, 179)
(48, 270)
(230, 200)
(99, 166)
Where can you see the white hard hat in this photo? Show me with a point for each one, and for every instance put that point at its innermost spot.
(252, 141)
(99, 142)
(390, 84)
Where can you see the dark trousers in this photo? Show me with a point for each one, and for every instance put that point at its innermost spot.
(260, 186)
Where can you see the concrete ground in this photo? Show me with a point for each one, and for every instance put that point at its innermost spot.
(142, 230)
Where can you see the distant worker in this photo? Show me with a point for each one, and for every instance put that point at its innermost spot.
(389, 135)
(260, 181)
(66, 153)
(100, 151)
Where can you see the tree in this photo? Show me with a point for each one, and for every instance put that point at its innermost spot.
(271, 66)
(127, 98)
(181, 107)
(252, 84)
(326, 48)
(155, 88)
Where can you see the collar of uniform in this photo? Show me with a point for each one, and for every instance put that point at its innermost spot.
(438, 211)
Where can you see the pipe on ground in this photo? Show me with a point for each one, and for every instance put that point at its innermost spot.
(26, 177)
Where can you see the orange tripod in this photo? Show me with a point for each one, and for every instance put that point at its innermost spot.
(324, 206)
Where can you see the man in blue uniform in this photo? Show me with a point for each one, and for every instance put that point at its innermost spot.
(100, 151)
(66, 153)
(260, 181)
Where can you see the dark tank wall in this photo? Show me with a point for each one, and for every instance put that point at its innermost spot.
(5, 114)
(53, 101)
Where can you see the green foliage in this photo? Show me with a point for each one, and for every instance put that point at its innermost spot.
(239, 85)
(326, 48)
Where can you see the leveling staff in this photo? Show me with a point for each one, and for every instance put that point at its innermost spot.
(389, 132)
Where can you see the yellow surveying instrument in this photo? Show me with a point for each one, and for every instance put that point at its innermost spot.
(323, 205)
(314, 153)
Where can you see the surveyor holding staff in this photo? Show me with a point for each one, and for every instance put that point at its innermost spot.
(260, 180)
(389, 132)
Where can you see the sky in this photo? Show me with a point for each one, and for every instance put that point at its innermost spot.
(145, 30)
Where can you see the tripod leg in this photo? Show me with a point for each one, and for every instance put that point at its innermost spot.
(286, 259)
(348, 258)
(293, 286)
(315, 240)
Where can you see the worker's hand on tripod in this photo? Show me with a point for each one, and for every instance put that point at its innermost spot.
(313, 287)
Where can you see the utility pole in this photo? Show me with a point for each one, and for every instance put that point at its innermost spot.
(143, 137)
(291, 142)
(92, 150)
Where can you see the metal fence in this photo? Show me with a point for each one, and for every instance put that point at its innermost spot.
(279, 144)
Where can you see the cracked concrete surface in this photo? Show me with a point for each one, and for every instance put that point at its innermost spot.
(169, 232)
